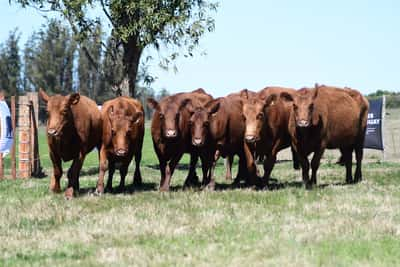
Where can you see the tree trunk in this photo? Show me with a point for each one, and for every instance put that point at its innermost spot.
(131, 62)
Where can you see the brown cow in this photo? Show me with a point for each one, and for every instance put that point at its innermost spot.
(73, 130)
(217, 130)
(123, 132)
(266, 133)
(328, 117)
(170, 133)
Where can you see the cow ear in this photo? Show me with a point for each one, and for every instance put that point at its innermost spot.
(139, 116)
(110, 112)
(213, 107)
(151, 103)
(286, 96)
(315, 92)
(74, 99)
(42, 94)
(244, 94)
(187, 103)
(271, 99)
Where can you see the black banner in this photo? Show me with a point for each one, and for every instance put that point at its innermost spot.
(373, 135)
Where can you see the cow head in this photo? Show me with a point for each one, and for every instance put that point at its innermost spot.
(253, 108)
(59, 111)
(303, 106)
(123, 122)
(169, 113)
(200, 121)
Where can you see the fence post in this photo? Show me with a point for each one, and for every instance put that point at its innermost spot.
(24, 164)
(1, 167)
(383, 126)
(34, 117)
(13, 161)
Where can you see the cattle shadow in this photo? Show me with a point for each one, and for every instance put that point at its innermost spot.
(180, 166)
(129, 189)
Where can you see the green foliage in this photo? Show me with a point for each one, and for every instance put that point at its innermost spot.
(89, 64)
(175, 26)
(392, 98)
(10, 64)
(49, 58)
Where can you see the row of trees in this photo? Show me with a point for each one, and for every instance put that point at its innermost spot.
(52, 59)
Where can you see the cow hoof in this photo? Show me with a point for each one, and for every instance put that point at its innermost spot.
(209, 187)
(55, 190)
(309, 186)
(69, 193)
(162, 189)
(99, 191)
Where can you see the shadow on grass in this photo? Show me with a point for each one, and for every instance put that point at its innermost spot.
(181, 166)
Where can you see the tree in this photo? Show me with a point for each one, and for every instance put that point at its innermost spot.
(89, 76)
(175, 26)
(10, 64)
(49, 59)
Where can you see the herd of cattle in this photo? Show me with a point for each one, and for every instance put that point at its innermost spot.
(252, 125)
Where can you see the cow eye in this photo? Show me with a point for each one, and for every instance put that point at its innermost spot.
(311, 107)
(190, 123)
(260, 116)
(161, 116)
(244, 117)
(206, 124)
(113, 132)
(295, 107)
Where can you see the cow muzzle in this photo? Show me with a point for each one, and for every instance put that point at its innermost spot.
(171, 133)
(197, 142)
(250, 139)
(303, 123)
(52, 132)
(121, 152)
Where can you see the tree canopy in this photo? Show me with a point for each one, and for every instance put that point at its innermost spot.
(173, 26)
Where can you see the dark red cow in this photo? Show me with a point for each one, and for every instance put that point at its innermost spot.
(327, 117)
(266, 127)
(123, 132)
(73, 130)
(171, 135)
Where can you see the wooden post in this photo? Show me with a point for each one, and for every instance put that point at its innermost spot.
(383, 126)
(1, 167)
(13, 161)
(24, 165)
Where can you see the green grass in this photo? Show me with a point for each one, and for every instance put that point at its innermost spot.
(332, 225)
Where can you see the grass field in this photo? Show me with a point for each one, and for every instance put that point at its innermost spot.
(332, 225)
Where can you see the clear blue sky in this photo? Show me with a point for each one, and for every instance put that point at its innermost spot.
(289, 43)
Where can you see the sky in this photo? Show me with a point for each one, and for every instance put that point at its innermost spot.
(289, 43)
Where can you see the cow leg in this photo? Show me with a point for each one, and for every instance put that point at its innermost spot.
(217, 154)
(192, 179)
(111, 170)
(122, 171)
(228, 166)
(346, 159)
(359, 156)
(169, 171)
(206, 162)
(269, 163)
(295, 159)
(137, 177)
(305, 167)
(103, 167)
(251, 167)
(57, 173)
(315, 165)
(73, 179)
